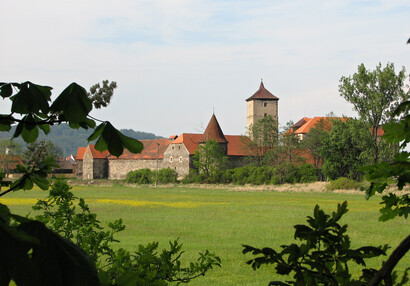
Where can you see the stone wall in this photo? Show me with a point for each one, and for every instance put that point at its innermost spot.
(100, 169)
(88, 166)
(78, 169)
(177, 157)
(118, 169)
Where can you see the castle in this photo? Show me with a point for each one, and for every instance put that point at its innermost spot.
(177, 152)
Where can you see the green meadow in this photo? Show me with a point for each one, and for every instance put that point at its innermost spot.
(223, 219)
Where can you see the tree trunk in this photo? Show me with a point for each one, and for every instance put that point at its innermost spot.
(385, 272)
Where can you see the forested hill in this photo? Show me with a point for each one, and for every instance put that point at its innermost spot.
(70, 139)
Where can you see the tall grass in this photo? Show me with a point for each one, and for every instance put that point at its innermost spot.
(223, 219)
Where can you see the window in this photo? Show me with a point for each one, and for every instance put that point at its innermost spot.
(172, 147)
(265, 115)
(264, 104)
(170, 159)
(179, 147)
(180, 158)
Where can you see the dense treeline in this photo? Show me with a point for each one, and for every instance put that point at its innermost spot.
(68, 139)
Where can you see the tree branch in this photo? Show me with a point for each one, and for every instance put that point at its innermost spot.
(385, 272)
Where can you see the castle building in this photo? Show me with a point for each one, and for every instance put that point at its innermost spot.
(176, 152)
(261, 104)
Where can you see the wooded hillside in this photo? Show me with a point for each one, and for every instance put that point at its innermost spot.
(70, 139)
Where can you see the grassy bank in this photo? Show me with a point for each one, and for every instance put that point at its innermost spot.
(222, 219)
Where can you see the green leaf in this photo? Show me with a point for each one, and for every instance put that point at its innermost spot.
(4, 213)
(133, 145)
(113, 140)
(97, 132)
(6, 90)
(74, 103)
(5, 122)
(128, 279)
(42, 182)
(31, 98)
(45, 128)
(30, 136)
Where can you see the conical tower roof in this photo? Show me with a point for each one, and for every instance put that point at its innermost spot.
(213, 131)
(262, 94)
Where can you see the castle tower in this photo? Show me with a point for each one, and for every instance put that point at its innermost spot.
(262, 103)
(214, 131)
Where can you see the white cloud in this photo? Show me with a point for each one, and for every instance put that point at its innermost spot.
(176, 60)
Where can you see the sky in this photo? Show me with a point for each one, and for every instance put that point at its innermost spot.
(178, 61)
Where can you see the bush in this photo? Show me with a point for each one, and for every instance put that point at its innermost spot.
(343, 183)
(240, 175)
(142, 176)
(260, 175)
(167, 176)
(307, 173)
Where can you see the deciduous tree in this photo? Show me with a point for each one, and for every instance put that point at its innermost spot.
(209, 158)
(345, 149)
(375, 95)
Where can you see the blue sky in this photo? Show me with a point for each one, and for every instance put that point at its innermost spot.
(175, 61)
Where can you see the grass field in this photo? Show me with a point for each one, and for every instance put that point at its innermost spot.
(223, 219)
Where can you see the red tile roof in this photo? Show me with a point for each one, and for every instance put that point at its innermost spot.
(153, 149)
(311, 123)
(236, 143)
(380, 131)
(213, 132)
(98, 154)
(190, 141)
(80, 153)
(262, 94)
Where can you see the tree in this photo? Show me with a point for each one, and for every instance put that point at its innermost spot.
(289, 144)
(264, 135)
(9, 147)
(32, 254)
(209, 158)
(383, 174)
(313, 141)
(345, 148)
(26, 244)
(375, 95)
(38, 151)
(101, 95)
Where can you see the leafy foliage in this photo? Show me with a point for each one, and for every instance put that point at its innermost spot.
(31, 253)
(375, 95)
(345, 149)
(116, 266)
(69, 139)
(33, 103)
(343, 183)
(38, 151)
(382, 174)
(323, 256)
(210, 158)
(147, 176)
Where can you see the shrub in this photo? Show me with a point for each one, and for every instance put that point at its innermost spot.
(240, 175)
(286, 173)
(307, 173)
(142, 176)
(167, 176)
(260, 175)
(343, 183)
